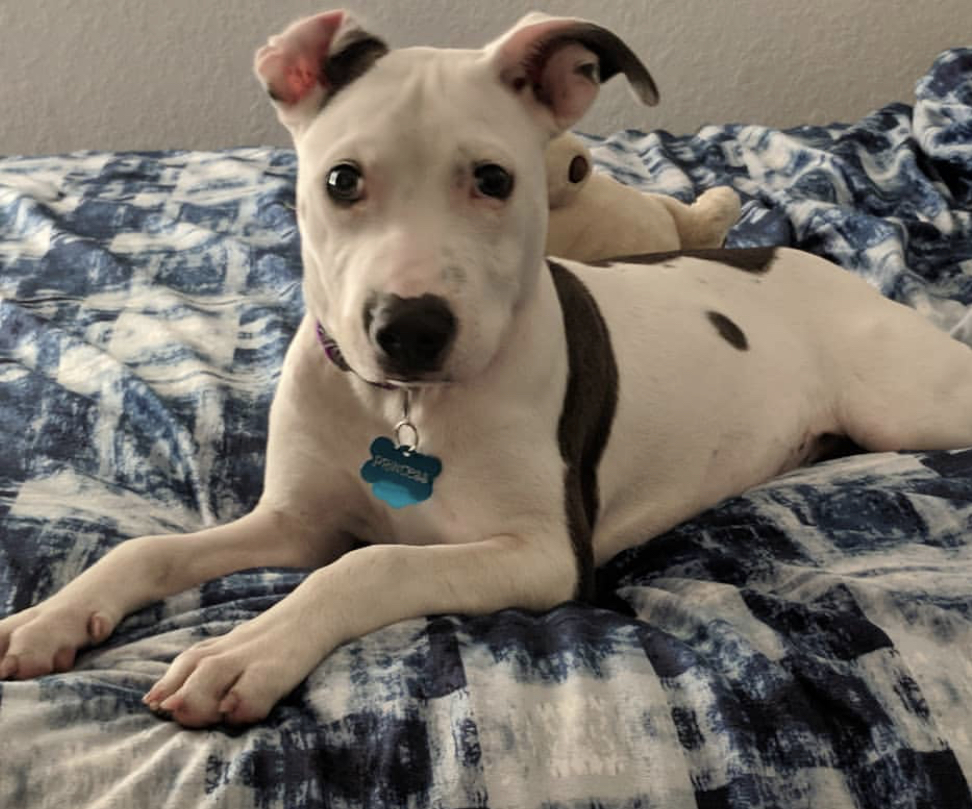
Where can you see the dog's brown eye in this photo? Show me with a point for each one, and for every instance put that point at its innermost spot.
(493, 181)
(345, 184)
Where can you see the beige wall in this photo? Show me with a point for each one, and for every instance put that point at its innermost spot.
(142, 74)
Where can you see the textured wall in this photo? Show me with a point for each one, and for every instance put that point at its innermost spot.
(116, 74)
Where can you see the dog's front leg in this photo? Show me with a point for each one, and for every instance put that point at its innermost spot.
(46, 637)
(239, 676)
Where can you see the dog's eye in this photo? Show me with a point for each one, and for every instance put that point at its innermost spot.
(493, 181)
(345, 183)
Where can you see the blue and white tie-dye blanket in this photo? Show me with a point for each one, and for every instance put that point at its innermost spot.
(808, 644)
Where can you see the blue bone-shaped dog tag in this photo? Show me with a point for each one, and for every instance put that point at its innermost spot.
(399, 476)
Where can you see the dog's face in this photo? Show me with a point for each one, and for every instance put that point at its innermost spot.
(421, 192)
(421, 204)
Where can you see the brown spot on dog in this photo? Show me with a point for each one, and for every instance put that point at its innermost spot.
(728, 330)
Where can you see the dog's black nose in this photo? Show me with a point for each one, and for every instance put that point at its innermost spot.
(413, 334)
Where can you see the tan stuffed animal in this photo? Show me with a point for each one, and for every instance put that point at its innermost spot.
(594, 217)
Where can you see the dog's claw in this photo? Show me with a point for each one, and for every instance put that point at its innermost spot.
(153, 699)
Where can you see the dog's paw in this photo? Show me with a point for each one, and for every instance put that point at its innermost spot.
(45, 639)
(236, 678)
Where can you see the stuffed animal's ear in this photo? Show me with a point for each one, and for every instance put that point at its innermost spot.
(556, 65)
(313, 59)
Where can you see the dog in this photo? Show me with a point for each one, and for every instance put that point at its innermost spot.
(496, 422)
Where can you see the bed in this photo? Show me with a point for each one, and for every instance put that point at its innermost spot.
(807, 644)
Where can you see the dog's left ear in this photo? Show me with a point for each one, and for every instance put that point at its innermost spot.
(313, 59)
(556, 65)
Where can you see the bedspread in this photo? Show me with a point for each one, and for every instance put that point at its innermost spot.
(807, 644)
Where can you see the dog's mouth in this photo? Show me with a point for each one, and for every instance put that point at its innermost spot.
(416, 383)
(403, 377)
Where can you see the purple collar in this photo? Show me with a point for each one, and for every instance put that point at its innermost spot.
(333, 352)
(331, 349)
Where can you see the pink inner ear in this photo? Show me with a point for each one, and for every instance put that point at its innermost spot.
(290, 65)
(570, 90)
(288, 77)
(544, 56)
(301, 76)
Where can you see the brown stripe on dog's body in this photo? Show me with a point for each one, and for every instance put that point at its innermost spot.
(750, 259)
(585, 422)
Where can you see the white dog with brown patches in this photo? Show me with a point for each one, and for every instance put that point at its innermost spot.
(495, 423)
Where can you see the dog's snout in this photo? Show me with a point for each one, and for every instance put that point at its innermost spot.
(412, 335)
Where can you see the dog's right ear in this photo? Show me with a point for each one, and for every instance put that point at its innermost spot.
(310, 61)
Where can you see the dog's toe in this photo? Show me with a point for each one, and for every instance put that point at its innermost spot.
(26, 665)
(250, 699)
(9, 664)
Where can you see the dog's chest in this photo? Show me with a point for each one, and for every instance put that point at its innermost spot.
(436, 521)
(484, 488)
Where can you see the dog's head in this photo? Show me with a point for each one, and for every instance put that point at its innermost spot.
(421, 195)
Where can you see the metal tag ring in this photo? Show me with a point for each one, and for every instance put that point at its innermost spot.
(400, 428)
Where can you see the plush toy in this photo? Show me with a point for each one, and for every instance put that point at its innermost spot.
(594, 217)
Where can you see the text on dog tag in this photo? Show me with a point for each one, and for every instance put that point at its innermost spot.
(399, 476)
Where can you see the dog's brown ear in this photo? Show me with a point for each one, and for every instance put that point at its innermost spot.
(556, 65)
(313, 59)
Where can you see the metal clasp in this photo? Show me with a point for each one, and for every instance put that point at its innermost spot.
(405, 424)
